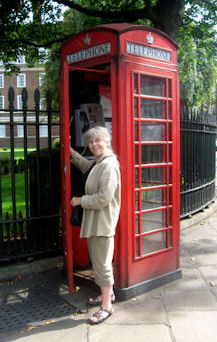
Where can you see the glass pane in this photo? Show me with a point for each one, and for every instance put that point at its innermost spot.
(170, 174)
(137, 201)
(136, 154)
(170, 110)
(154, 86)
(170, 239)
(135, 107)
(153, 109)
(154, 220)
(170, 89)
(20, 131)
(137, 248)
(151, 199)
(2, 131)
(153, 131)
(136, 131)
(154, 154)
(153, 176)
(169, 132)
(43, 131)
(137, 224)
(170, 218)
(135, 83)
(153, 243)
(136, 178)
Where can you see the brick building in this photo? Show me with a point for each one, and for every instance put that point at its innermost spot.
(29, 78)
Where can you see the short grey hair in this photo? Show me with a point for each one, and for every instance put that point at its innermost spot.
(98, 131)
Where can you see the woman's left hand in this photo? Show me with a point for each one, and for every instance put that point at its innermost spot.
(75, 201)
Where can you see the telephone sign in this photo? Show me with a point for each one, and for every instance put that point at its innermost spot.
(94, 51)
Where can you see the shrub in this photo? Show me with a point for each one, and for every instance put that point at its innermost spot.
(56, 143)
(5, 163)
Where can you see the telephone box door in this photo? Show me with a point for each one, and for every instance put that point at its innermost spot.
(65, 174)
(75, 249)
(153, 109)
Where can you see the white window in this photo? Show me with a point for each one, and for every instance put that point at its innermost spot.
(43, 131)
(21, 80)
(21, 60)
(20, 132)
(1, 80)
(40, 79)
(2, 131)
(19, 102)
(2, 102)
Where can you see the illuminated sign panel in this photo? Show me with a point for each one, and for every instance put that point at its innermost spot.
(147, 51)
(94, 51)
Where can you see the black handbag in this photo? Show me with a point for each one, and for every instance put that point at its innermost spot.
(77, 213)
(76, 217)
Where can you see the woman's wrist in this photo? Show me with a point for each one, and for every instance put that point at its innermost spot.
(72, 152)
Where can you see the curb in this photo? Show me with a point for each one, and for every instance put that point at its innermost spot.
(200, 216)
(23, 269)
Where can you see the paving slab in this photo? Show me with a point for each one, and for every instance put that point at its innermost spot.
(210, 275)
(130, 333)
(65, 330)
(194, 326)
(190, 292)
(136, 311)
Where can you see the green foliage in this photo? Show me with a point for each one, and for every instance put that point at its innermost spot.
(51, 79)
(56, 143)
(27, 25)
(197, 56)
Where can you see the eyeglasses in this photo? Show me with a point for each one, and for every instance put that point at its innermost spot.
(92, 141)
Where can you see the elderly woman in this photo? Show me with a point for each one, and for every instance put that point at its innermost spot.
(101, 204)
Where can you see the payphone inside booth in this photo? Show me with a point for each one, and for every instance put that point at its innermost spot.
(125, 77)
(87, 103)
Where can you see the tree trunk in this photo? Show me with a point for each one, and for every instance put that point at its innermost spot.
(169, 15)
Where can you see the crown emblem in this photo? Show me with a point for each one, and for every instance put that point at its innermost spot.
(150, 38)
(87, 40)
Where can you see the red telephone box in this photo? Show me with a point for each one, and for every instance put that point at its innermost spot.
(130, 72)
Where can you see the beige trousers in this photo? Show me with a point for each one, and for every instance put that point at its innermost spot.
(101, 251)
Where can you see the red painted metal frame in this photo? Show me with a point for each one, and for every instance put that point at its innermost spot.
(163, 261)
(65, 173)
(128, 269)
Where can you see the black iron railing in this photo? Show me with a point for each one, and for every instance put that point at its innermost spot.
(30, 217)
(198, 160)
(29, 184)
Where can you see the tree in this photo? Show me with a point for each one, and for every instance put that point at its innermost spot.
(27, 25)
(198, 64)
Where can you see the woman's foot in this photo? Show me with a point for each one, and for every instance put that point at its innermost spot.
(101, 315)
(98, 300)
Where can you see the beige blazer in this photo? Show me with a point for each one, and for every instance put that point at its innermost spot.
(102, 199)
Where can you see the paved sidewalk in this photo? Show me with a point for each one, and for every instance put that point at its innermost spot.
(38, 307)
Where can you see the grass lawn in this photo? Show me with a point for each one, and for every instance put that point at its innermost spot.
(18, 153)
(7, 194)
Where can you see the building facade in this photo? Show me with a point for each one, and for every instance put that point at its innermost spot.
(31, 79)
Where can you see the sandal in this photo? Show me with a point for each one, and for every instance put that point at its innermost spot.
(101, 315)
(98, 301)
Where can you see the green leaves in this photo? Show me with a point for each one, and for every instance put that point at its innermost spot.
(27, 25)
(198, 63)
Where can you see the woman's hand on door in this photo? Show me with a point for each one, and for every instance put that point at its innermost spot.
(75, 201)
